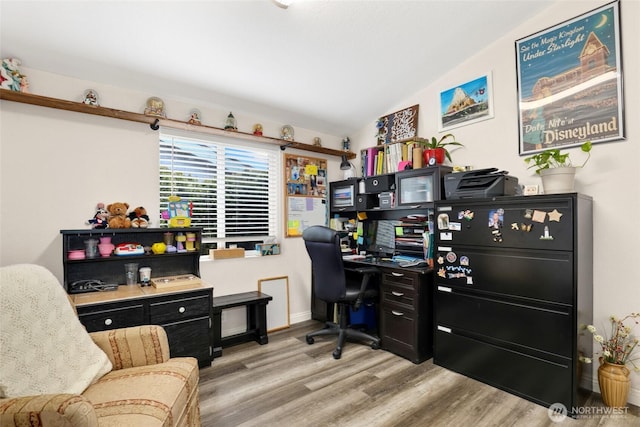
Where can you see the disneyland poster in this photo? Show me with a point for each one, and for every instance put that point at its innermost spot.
(570, 83)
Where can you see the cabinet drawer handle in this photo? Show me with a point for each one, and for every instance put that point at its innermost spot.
(108, 322)
(182, 310)
(397, 313)
(397, 294)
(397, 274)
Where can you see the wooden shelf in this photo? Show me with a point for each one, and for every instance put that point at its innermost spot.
(79, 107)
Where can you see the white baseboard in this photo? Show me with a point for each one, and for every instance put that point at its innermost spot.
(299, 317)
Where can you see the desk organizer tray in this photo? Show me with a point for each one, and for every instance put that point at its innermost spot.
(173, 281)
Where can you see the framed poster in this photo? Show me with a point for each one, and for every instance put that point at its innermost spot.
(306, 193)
(466, 103)
(570, 82)
(399, 126)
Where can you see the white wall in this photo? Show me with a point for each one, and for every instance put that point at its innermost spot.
(612, 176)
(56, 165)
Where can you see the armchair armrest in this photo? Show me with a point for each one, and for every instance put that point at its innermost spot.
(48, 409)
(136, 346)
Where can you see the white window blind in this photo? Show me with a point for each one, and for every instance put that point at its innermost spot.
(232, 185)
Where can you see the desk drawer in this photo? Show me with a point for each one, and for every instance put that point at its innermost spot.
(174, 310)
(398, 330)
(401, 277)
(398, 294)
(101, 320)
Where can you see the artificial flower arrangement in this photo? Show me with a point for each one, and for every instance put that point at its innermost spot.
(620, 346)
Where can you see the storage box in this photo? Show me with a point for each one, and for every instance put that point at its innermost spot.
(227, 253)
(366, 315)
(386, 200)
(268, 249)
(379, 183)
(365, 201)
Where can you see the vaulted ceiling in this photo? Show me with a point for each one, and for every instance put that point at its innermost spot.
(327, 65)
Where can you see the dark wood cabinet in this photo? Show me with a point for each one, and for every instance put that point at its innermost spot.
(185, 312)
(513, 292)
(406, 313)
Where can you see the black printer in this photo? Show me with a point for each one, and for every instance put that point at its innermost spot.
(480, 183)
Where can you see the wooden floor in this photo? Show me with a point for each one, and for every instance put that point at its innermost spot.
(290, 383)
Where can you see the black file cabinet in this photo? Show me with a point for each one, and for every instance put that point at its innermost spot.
(513, 292)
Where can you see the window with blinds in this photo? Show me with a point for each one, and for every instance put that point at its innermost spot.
(231, 184)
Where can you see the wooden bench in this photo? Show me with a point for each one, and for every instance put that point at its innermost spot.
(256, 305)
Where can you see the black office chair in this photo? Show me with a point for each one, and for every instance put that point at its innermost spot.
(331, 285)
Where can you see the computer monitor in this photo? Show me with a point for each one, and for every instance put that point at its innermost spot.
(380, 237)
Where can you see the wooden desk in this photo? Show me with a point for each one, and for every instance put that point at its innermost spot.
(405, 309)
(256, 304)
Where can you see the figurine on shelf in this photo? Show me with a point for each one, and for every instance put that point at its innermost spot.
(194, 117)
(257, 129)
(230, 123)
(11, 78)
(286, 133)
(317, 142)
(99, 220)
(90, 97)
(346, 143)
(155, 107)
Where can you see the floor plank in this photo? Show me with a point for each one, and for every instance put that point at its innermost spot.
(290, 383)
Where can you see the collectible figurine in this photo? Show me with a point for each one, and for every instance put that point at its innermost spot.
(257, 129)
(230, 123)
(10, 76)
(90, 97)
(194, 117)
(155, 107)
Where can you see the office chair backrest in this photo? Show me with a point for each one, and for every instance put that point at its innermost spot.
(323, 246)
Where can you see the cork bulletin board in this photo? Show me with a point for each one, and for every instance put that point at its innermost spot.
(306, 193)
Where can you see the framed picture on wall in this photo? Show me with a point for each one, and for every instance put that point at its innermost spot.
(466, 103)
(399, 126)
(570, 82)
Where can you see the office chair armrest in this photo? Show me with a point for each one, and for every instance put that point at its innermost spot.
(367, 273)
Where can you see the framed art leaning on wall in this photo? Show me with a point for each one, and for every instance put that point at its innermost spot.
(570, 82)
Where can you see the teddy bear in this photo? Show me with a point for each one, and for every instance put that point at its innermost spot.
(118, 215)
(139, 218)
(99, 220)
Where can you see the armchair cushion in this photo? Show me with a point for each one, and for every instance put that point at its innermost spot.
(135, 346)
(36, 358)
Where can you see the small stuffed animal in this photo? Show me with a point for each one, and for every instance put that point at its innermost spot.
(118, 215)
(139, 218)
(99, 220)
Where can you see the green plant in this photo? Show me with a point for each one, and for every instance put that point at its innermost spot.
(553, 158)
(621, 344)
(433, 143)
